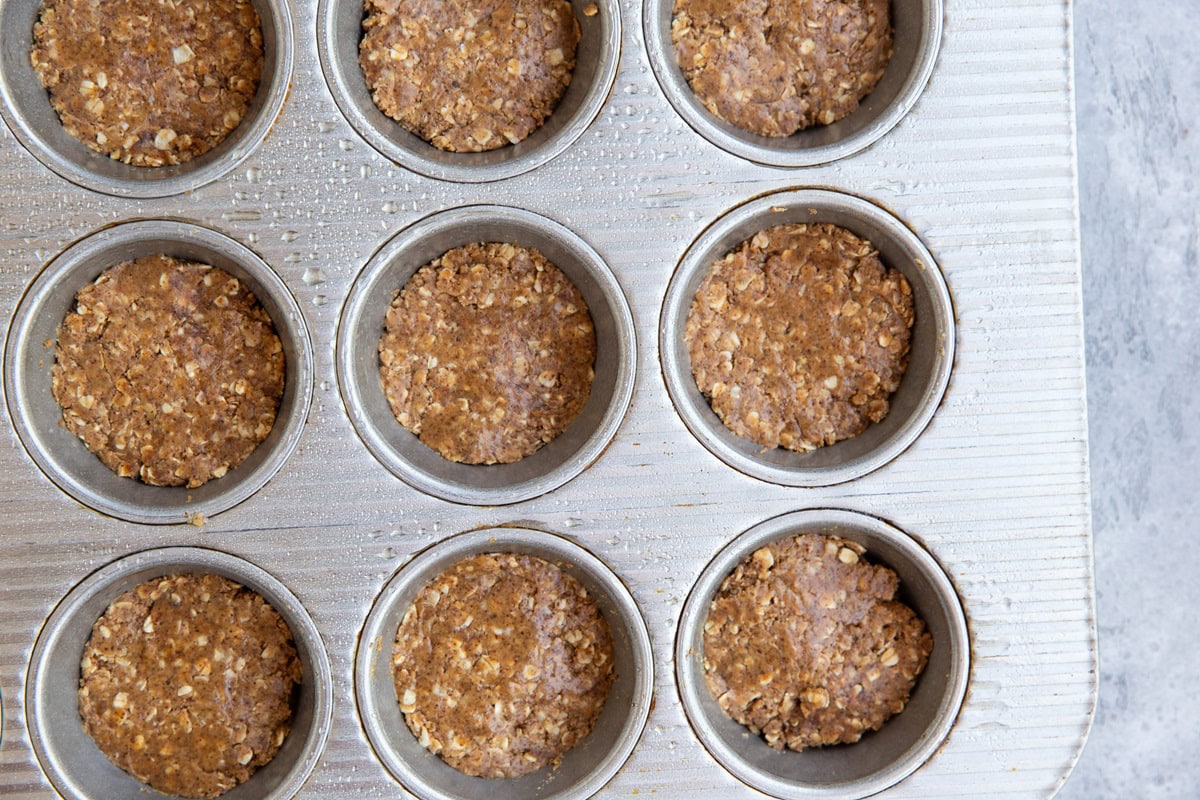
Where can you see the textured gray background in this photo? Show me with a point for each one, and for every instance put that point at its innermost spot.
(1138, 90)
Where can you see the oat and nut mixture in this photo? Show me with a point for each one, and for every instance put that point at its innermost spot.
(468, 75)
(149, 82)
(805, 644)
(502, 664)
(799, 336)
(169, 371)
(773, 67)
(488, 353)
(187, 684)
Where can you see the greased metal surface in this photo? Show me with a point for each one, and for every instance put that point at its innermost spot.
(982, 169)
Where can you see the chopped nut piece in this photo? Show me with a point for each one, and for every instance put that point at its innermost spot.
(776, 68)
(462, 361)
(786, 660)
(772, 349)
(125, 389)
(432, 67)
(177, 737)
(536, 695)
(136, 80)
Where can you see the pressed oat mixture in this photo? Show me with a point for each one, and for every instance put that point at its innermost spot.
(502, 664)
(468, 75)
(169, 371)
(149, 82)
(805, 644)
(488, 353)
(187, 684)
(773, 67)
(799, 336)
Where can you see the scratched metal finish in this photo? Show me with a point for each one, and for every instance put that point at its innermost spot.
(983, 169)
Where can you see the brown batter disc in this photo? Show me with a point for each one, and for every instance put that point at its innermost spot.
(805, 644)
(168, 370)
(468, 75)
(502, 664)
(487, 353)
(773, 67)
(149, 82)
(799, 336)
(187, 684)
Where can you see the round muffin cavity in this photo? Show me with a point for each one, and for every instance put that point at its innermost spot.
(799, 336)
(187, 684)
(806, 645)
(502, 664)
(468, 75)
(168, 370)
(773, 67)
(488, 353)
(149, 83)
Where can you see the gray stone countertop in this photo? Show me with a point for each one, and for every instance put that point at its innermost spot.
(1137, 83)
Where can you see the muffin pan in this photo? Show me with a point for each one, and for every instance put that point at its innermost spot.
(587, 766)
(984, 474)
(30, 355)
(338, 33)
(929, 361)
(917, 38)
(398, 449)
(26, 108)
(73, 763)
(879, 759)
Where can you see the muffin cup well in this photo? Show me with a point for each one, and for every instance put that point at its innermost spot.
(339, 31)
(917, 38)
(584, 769)
(69, 757)
(880, 759)
(362, 323)
(36, 415)
(26, 108)
(929, 362)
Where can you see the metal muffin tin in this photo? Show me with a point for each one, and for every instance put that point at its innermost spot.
(587, 766)
(29, 357)
(917, 26)
(26, 108)
(338, 34)
(881, 759)
(68, 756)
(929, 362)
(399, 450)
(981, 170)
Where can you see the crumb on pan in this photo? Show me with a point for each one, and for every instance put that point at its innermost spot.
(806, 645)
(169, 371)
(773, 68)
(149, 83)
(187, 684)
(469, 75)
(502, 664)
(799, 336)
(488, 353)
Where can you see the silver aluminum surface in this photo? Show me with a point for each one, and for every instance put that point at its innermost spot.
(26, 108)
(35, 414)
(983, 170)
(76, 767)
(596, 59)
(929, 362)
(586, 767)
(918, 34)
(880, 759)
(362, 322)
